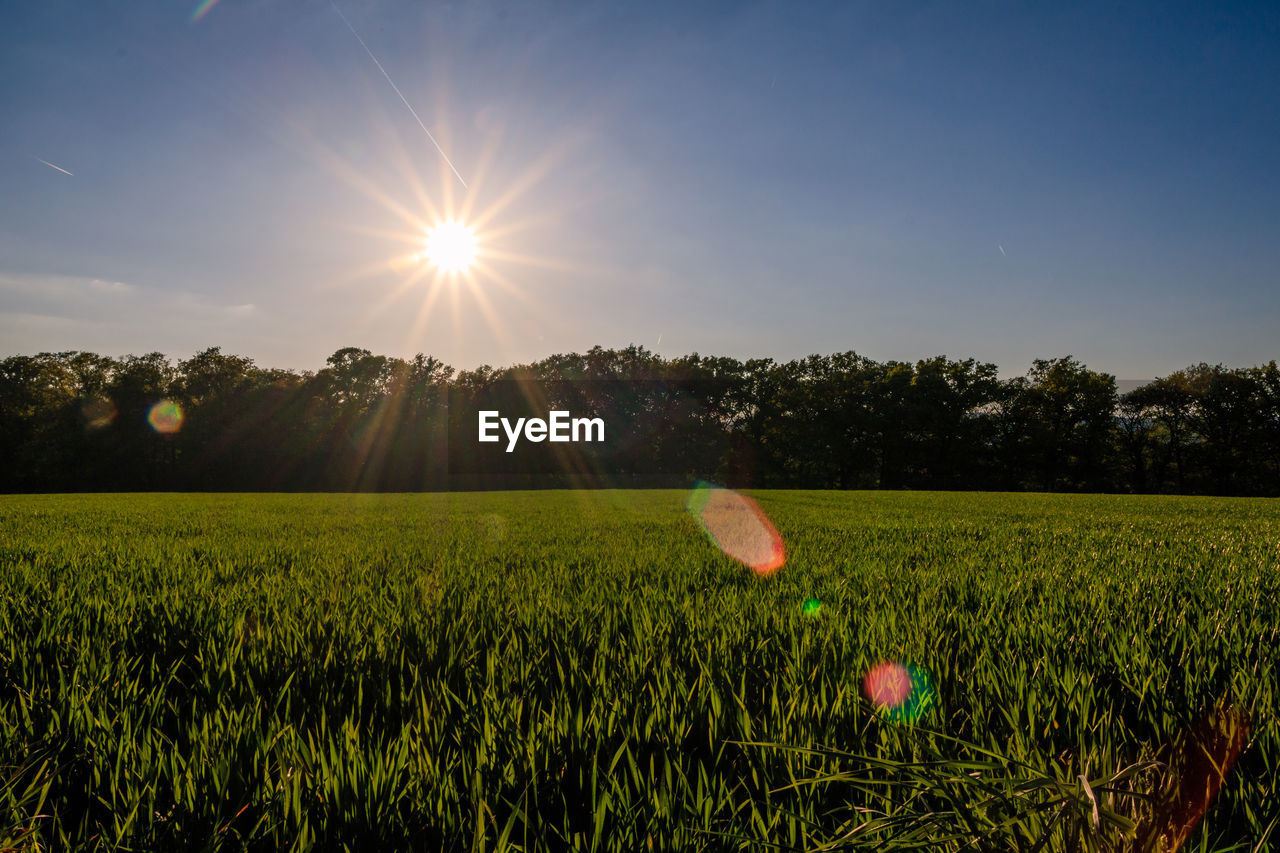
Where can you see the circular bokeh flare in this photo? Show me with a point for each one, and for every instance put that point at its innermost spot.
(738, 527)
(165, 417)
(900, 692)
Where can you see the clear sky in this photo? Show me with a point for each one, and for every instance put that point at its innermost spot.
(998, 180)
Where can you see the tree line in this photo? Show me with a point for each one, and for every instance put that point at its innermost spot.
(77, 421)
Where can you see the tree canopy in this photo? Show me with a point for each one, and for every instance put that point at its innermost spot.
(85, 422)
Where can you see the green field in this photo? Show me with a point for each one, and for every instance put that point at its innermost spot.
(585, 671)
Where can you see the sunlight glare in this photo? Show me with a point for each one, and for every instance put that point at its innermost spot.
(451, 247)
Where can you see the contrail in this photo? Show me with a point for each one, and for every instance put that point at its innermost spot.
(398, 92)
(51, 166)
(1001, 248)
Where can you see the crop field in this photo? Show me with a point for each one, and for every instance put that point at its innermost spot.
(588, 671)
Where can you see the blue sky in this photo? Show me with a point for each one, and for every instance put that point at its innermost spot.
(998, 180)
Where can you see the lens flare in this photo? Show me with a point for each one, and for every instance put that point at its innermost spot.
(165, 417)
(738, 527)
(201, 10)
(1201, 761)
(811, 607)
(900, 692)
(98, 413)
(451, 247)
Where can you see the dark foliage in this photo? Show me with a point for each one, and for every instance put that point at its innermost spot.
(76, 421)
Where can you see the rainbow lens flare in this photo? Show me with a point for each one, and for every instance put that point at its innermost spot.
(165, 417)
(812, 607)
(98, 413)
(201, 10)
(738, 527)
(901, 692)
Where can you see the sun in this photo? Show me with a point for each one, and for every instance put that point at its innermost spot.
(451, 247)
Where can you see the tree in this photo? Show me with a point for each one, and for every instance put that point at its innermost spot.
(210, 375)
(1135, 430)
(1169, 402)
(1063, 421)
(142, 457)
(1226, 420)
(951, 411)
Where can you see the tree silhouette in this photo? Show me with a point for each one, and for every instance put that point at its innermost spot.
(79, 421)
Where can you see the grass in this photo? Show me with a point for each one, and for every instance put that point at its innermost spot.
(585, 671)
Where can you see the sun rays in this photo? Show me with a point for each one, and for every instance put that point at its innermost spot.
(453, 253)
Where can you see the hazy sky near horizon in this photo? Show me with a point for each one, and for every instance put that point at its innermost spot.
(992, 179)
